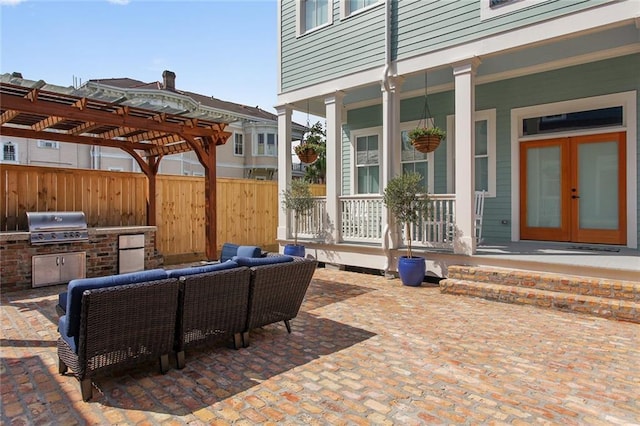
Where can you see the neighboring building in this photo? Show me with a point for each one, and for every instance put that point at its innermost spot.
(539, 99)
(251, 152)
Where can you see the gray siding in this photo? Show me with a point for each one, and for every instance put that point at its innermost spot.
(593, 79)
(418, 27)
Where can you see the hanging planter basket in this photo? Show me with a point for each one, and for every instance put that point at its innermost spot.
(307, 155)
(426, 143)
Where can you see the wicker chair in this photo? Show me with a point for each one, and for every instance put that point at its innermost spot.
(212, 306)
(119, 327)
(276, 293)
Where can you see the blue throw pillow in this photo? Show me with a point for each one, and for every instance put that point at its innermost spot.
(249, 251)
(183, 272)
(228, 251)
(270, 260)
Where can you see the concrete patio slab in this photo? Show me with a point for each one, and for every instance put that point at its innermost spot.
(364, 350)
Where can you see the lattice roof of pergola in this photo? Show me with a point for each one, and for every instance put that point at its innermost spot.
(61, 114)
(37, 110)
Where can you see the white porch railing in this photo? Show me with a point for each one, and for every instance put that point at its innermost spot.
(314, 223)
(361, 221)
(361, 218)
(438, 229)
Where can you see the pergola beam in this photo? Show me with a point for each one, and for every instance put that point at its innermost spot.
(120, 119)
(31, 113)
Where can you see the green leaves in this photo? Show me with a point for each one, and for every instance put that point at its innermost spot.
(405, 202)
(424, 131)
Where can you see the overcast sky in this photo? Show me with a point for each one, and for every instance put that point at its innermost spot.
(221, 48)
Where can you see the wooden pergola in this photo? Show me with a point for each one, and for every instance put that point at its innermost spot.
(146, 135)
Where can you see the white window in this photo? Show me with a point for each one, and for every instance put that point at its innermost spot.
(413, 160)
(485, 152)
(48, 144)
(493, 8)
(9, 152)
(367, 162)
(353, 6)
(238, 144)
(267, 145)
(313, 14)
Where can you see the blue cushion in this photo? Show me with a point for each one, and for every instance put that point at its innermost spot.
(253, 261)
(62, 301)
(62, 325)
(78, 286)
(249, 251)
(183, 272)
(228, 251)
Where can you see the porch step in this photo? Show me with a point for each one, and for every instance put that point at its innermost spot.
(605, 298)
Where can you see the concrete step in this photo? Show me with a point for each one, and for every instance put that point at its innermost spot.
(604, 298)
(579, 285)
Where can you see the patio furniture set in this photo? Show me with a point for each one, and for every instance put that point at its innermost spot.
(111, 323)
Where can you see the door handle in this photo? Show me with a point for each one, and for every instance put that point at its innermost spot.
(575, 196)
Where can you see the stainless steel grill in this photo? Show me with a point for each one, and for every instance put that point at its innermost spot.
(57, 227)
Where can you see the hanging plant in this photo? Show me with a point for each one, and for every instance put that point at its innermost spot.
(312, 145)
(426, 138)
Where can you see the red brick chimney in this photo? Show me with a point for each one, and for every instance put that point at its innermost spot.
(169, 80)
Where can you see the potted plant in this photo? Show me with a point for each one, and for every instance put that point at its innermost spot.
(299, 200)
(406, 203)
(426, 139)
(312, 145)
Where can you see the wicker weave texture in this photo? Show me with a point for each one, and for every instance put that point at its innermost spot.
(277, 291)
(212, 306)
(123, 326)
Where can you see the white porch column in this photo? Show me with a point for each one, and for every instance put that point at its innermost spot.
(284, 167)
(333, 108)
(391, 151)
(464, 74)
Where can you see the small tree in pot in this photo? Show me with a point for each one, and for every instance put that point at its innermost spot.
(406, 202)
(299, 200)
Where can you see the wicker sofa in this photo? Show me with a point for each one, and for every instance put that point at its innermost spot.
(110, 323)
(277, 290)
(113, 327)
(212, 305)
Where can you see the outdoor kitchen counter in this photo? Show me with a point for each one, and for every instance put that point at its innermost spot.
(24, 265)
(24, 235)
(121, 229)
(14, 235)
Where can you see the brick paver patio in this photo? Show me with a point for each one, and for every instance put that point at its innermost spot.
(364, 350)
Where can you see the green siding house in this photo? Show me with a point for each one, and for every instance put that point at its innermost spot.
(539, 99)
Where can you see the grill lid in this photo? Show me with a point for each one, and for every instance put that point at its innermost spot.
(57, 227)
(55, 221)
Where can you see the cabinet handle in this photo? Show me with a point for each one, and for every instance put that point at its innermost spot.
(63, 261)
(57, 261)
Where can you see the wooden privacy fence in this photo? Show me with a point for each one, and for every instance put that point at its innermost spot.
(247, 210)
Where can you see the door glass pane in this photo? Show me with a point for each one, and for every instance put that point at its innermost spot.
(598, 185)
(543, 187)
